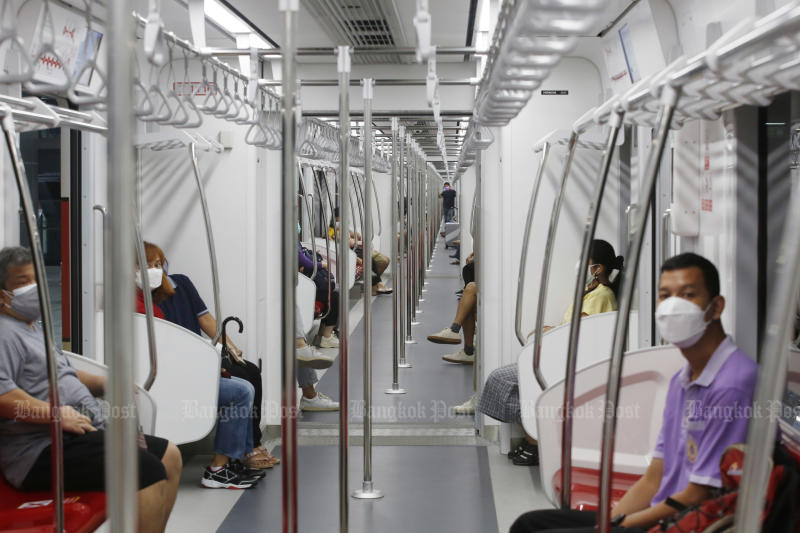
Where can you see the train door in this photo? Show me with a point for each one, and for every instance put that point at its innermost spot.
(52, 163)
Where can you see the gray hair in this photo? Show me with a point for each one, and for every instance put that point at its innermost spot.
(10, 257)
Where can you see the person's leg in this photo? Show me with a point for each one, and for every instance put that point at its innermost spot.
(554, 520)
(152, 506)
(235, 397)
(468, 273)
(467, 304)
(250, 373)
(173, 465)
(313, 400)
(328, 323)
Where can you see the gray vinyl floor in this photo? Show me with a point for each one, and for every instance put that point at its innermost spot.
(433, 385)
(436, 475)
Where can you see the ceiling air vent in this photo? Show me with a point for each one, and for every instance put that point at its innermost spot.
(359, 23)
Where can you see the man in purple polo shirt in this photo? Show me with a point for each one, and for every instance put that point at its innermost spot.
(707, 408)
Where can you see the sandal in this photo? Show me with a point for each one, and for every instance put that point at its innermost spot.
(264, 452)
(257, 461)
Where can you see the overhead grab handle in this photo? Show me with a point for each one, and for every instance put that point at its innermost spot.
(154, 43)
(422, 25)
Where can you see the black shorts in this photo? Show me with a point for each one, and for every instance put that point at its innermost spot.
(84, 464)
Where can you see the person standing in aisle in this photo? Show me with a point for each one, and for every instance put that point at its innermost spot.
(448, 196)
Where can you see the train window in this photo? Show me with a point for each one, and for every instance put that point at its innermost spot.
(42, 156)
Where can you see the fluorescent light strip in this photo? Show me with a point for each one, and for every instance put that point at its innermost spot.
(231, 23)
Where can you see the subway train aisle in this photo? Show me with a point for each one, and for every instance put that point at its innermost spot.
(433, 385)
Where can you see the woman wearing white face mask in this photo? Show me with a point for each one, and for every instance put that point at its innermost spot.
(500, 396)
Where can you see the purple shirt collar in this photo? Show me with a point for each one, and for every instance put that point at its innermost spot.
(718, 358)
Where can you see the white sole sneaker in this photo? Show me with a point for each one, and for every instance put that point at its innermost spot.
(466, 408)
(460, 357)
(328, 342)
(320, 402)
(446, 336)
(311, 358)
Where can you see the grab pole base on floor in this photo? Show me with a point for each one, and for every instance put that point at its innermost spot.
(395, 389)
(367, 492)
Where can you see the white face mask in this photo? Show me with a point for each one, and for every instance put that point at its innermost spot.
(154, 278)
(590, 276)
(681, 322)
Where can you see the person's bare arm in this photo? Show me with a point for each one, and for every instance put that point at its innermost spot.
(21, 406)
(95, 384)
(641, 493)
(693, 494)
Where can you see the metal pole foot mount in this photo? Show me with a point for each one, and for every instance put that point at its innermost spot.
(367, 492)
(395, 388)
(413, 323)
(404, 363)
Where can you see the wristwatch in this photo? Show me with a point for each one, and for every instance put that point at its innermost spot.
(617, 520)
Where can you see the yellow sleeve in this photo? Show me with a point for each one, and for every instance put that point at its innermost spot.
(600, 300)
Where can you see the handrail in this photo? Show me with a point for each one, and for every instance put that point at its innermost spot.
(359, 194)
(289, 268)
(212, 251)
(523, 259)
(57, 445)
(378, 208)
(670, 98)
(353, 213)
(548, 252)
(577, 308)
(310, 215)
(772, 376)
(342, 259)
(148, 309)
(327, 236)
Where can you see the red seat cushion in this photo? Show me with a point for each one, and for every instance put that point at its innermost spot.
(585, 482)
(32, 512)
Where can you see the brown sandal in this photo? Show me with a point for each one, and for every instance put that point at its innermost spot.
(257, 461)
(263, 451)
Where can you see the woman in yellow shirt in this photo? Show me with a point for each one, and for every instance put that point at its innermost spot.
(500, 396)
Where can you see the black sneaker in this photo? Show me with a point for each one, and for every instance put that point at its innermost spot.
(226, 477)
(518, 450)
(529, 456)
(246, 472)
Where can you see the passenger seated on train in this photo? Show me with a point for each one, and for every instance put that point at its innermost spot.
(465, 318)
(240, 388)
(379, 262)
(327, 338)
(500, 396)
(718, 378)
(308, 358)
(25, 409)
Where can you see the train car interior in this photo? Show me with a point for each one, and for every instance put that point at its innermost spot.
(581, 310)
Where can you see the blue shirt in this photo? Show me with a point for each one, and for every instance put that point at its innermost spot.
(703, 417)
(185, 307)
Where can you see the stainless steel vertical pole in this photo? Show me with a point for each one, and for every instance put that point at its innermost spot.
(414, 223)
(670, 97)
(405, 229)
(120, 438)
(478, 249)
(410, 226)
(367, 490)
(396, 231)
(421, 256)
(56, 435)
(771, 382)
(342, 258)
(289, 268)
(577, 308)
